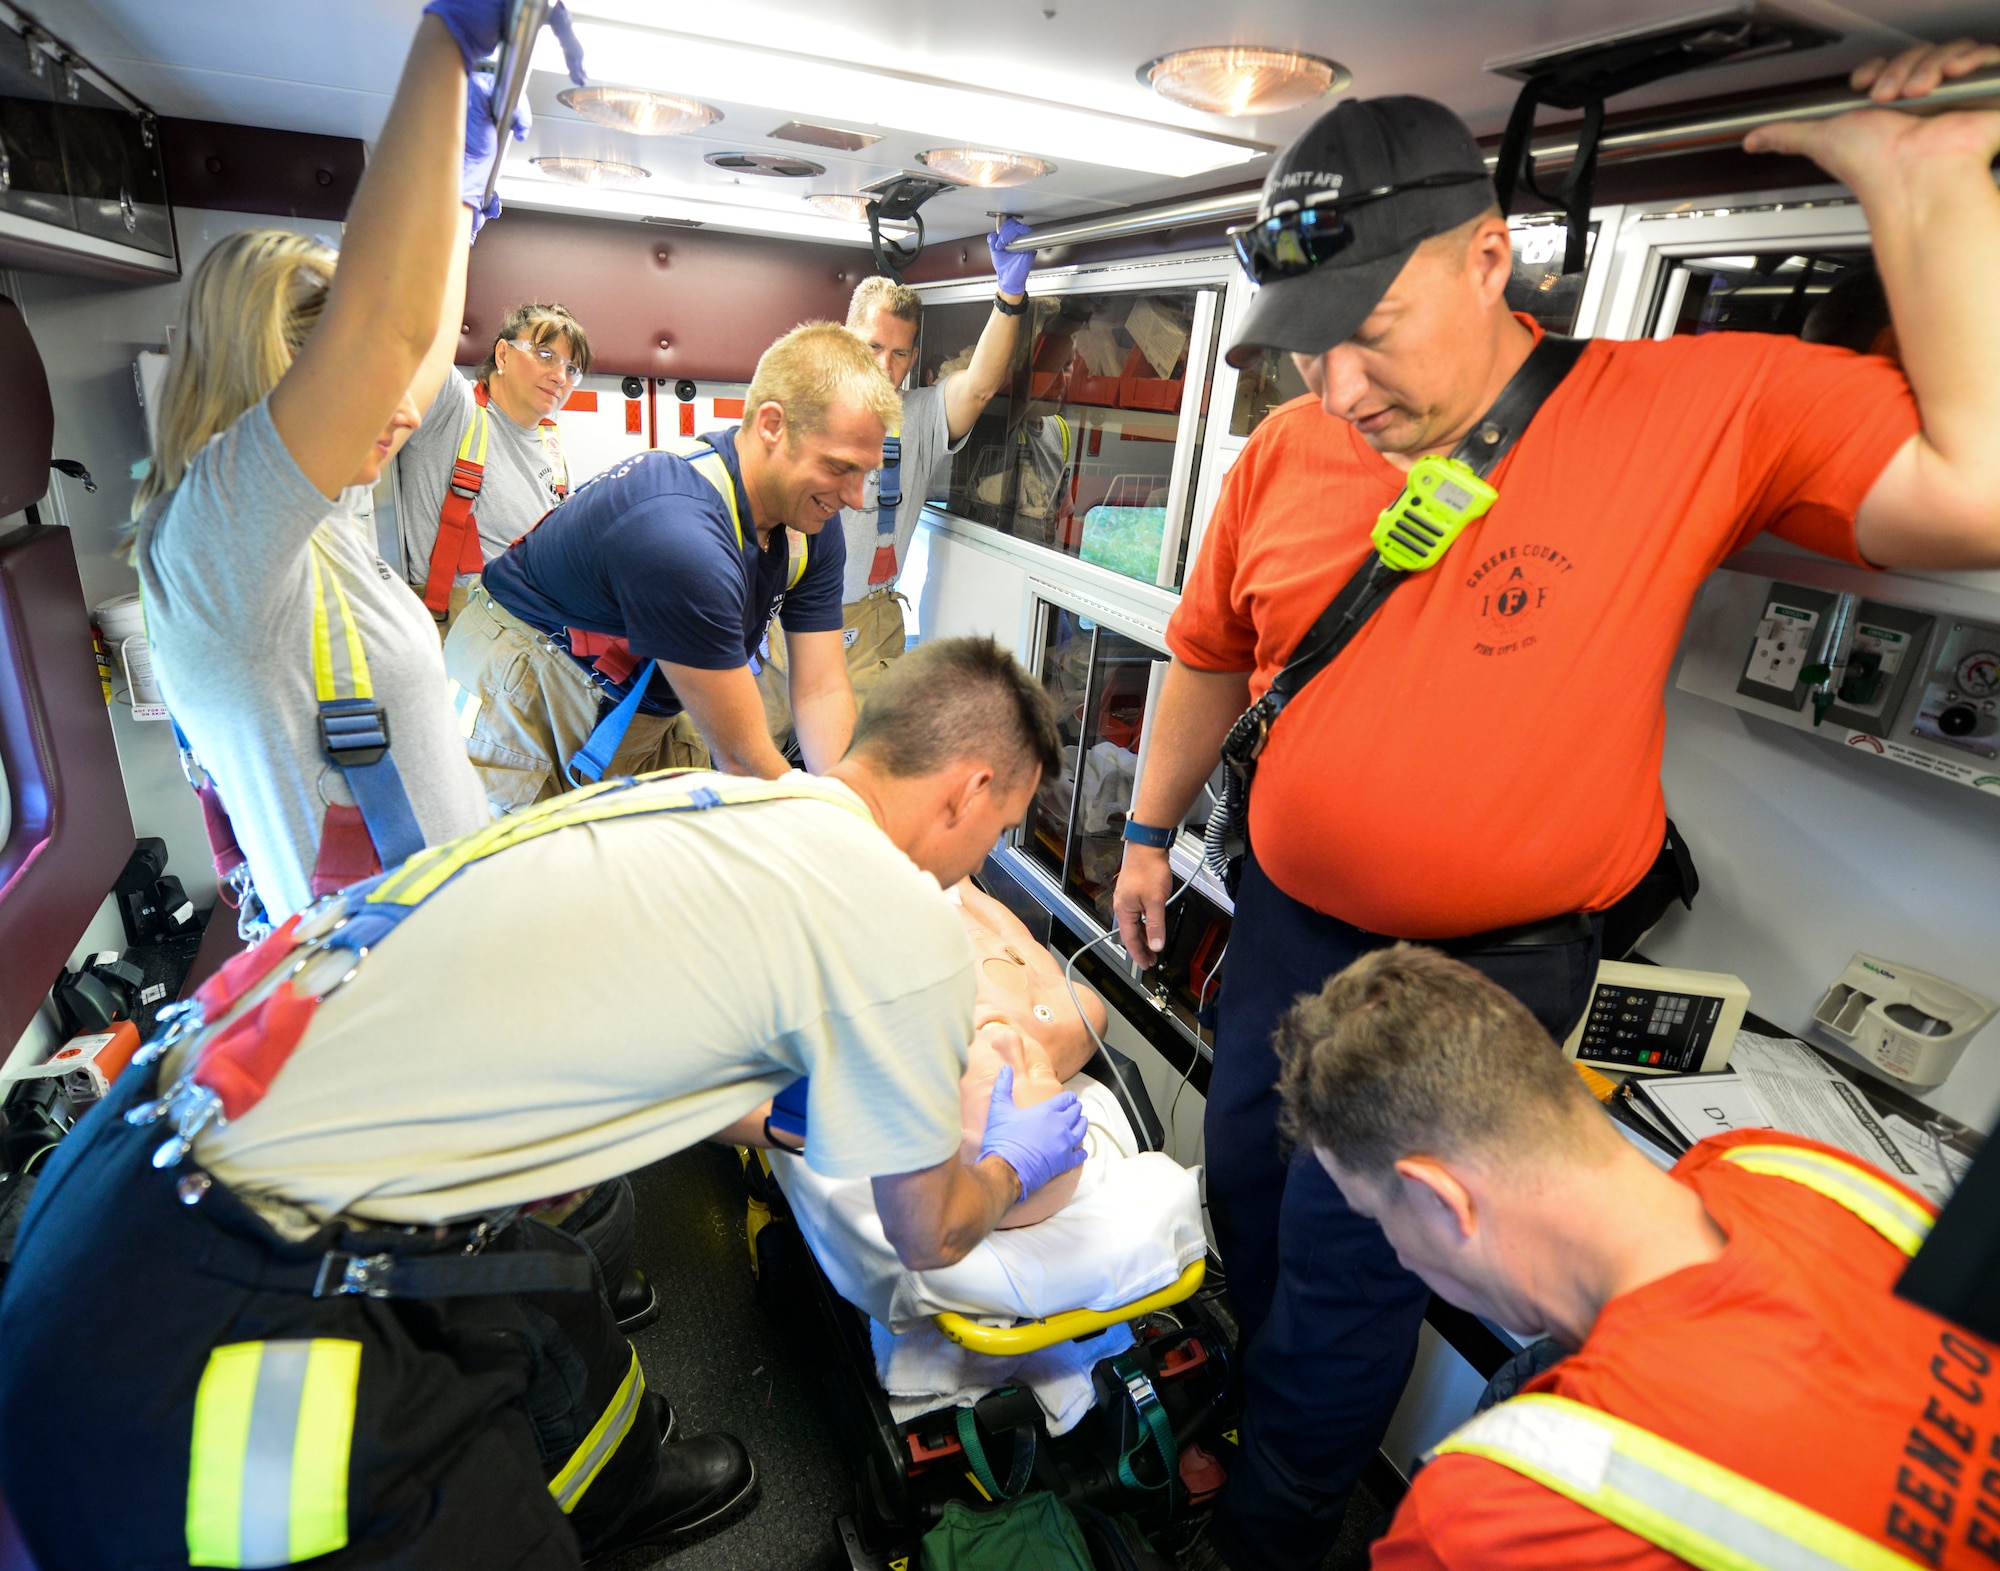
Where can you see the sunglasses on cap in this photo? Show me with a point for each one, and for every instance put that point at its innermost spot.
(1290, 243)
(546, 359)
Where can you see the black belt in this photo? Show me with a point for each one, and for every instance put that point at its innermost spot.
(389, 1274)
(1549, 933)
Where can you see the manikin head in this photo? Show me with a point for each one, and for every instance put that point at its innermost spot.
(886, 315)
(1383, 262)
(948, 750)
(537, 358)
(817, 410)
(1441, 1109)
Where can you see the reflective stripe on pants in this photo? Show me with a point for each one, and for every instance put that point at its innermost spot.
(267, 1467)
(610, 1430)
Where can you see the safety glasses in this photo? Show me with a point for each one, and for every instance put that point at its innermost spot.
(546, 359)
(1293, 242)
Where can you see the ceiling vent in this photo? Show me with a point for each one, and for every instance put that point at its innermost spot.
(824, 136)
(776, 165)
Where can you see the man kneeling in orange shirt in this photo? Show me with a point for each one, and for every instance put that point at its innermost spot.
(1745, 1388)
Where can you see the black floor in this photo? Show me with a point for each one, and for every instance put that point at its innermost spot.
(718, 1357)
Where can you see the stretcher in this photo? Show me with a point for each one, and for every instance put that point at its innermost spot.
(1085, 1355)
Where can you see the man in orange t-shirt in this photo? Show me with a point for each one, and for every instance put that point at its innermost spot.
(1740, 1308)
(1480, 767)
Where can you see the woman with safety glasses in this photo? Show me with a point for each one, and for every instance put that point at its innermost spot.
(487, 462)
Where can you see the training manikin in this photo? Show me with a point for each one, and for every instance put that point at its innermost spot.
(1026, 1018)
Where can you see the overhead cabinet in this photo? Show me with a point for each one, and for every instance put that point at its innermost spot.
(82, 183)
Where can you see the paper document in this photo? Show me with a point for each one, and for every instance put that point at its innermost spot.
(1808, 1096)
(1698, 1106)
(1939, 1166)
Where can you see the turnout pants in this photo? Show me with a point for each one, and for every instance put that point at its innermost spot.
(1329, 1317)
(873, 635)
(251, 1424)
(527, 707)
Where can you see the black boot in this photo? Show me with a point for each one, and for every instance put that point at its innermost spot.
(700, 1479)
(635, 1302)
(663, 1415)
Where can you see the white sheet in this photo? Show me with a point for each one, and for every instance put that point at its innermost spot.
(1133, 1227)
(923, 1370)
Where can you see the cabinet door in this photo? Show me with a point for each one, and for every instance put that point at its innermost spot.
(1092, 448)
(32, 181)
(113, 162)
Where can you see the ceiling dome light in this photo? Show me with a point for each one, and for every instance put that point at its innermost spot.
(1241, 79)
(639, 110)
(591, 171)
(983, 167)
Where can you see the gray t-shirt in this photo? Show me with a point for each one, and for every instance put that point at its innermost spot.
(523, 468)
(224, 562)
(927, 443)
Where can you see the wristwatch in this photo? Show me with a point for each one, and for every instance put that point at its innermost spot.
(1148, 835)
(1006, 308)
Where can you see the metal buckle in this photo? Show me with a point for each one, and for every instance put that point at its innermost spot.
(343, 1275)
(356, 736)
(199, 1107)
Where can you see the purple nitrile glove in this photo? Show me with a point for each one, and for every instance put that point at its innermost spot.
(1039, 1143)
(477, 26)
(565, 31)
(1010, 267)
(482, 147)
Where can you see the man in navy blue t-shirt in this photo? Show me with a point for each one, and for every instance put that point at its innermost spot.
(666, 570)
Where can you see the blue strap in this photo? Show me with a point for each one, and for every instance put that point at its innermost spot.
(587, 765)
(889, 489)
(788, 1108)
(355, 734)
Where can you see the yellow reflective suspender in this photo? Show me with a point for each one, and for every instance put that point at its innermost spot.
(431, 869)
(1670, 1496)
(354, 730)
(709, 464)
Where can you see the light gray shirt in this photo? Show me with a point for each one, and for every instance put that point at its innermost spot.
(766, 941)
(523, 468)
(225, 565)
(927, 444)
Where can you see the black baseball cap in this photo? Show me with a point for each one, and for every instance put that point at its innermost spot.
(1360, 145)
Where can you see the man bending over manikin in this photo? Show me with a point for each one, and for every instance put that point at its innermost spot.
(1026, 1025)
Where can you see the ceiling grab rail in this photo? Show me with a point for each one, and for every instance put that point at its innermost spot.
(1684, 134)
(510, 79)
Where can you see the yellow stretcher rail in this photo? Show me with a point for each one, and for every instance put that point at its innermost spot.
(1031, 1335)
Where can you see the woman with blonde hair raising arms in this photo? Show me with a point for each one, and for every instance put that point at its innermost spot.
(300, 668)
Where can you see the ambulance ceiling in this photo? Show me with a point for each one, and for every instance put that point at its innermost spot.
(1054, 78)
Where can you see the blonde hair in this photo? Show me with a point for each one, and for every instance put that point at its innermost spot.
(879, 293)
(814, 367)
(250, 307)
(541, 322)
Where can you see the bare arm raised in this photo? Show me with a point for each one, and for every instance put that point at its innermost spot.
(1926, 185)
(399, 250)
